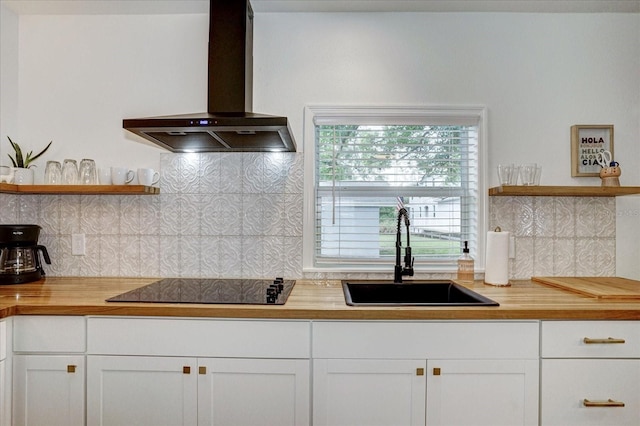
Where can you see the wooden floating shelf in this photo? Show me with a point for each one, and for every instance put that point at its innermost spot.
(564, 191)
(78, 189)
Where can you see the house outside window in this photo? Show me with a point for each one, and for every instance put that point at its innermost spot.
(368, 162)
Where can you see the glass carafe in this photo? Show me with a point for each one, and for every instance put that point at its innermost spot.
(16, 260)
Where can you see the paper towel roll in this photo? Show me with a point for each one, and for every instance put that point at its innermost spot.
(496, 270)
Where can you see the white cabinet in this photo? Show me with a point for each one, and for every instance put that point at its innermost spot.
(482, 392)
(417, 373)
(247, 392)
(141, 390)
(368, 392)
(5, 408)
(590, 373)
(49, 389)
(189, 391)
(589, 392)
(150, 371)
(48, 370)
(5, 379)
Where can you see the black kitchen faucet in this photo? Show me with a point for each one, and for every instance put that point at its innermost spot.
(399, 270)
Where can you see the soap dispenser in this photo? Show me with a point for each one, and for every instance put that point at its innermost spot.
(465, 264)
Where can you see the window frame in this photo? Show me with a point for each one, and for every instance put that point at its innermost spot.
(410, 114)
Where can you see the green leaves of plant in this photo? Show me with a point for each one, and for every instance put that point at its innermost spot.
(24, 162)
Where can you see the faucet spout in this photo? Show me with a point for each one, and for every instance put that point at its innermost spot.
(399, 269)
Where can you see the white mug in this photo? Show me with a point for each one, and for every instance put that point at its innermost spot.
(121, 175)
(104, 176)
(148, 177)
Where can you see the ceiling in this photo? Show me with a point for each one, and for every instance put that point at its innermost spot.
(259, 6)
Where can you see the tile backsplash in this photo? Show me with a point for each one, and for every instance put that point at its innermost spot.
(240, 215)
(218, 215)
(558, 236)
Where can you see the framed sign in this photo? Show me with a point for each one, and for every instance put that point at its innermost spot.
(586, 142)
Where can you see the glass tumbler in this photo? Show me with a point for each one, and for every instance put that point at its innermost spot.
(70, 172)
(53, 173)
(528, 174)
(504, 173)
(87, 174)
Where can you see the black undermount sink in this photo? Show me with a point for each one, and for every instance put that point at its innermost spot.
(411, 293)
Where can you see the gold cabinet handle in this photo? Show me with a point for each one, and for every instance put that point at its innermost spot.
(71, 368)
(608, 340)
(608, 403)
(186, 370)
(202, 370)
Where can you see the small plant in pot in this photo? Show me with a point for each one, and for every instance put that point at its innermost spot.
(23, 174)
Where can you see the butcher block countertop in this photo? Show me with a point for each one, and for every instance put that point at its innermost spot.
(310, 299)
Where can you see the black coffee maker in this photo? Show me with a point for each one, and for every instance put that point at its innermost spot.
(20, 254)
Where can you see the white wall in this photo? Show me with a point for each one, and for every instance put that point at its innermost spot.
(538, 74)
(8, 76)
(79, 76)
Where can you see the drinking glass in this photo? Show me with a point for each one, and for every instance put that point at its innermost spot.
(6, 174)
(515, 173)
(536, 180)
(87, 172)
(53, 173)
(504, 173)
(70, 172)
(528, 174)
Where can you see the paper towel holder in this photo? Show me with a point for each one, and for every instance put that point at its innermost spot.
(498, 257)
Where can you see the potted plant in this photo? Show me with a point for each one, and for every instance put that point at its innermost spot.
(23, 174)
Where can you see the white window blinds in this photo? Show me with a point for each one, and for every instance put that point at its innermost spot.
(366, 165)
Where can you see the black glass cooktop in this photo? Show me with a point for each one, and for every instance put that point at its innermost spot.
(207, 290)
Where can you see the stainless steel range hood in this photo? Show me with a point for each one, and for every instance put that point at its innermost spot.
(228, 124)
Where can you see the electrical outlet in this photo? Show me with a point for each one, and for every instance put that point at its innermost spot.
(77, 245)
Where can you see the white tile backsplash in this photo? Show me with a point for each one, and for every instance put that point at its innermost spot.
(558, 235)
(240, 215)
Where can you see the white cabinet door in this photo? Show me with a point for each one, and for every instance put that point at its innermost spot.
(611, 389)
(368, 392)
(4, 406)
(48, 390)
(482, 392)
(248, 392)
(142, 391)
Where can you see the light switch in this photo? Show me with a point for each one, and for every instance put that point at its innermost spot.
(77, 245)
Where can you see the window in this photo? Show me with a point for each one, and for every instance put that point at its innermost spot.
(367, 162)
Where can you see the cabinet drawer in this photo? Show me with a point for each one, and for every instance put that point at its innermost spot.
(198, 337)
(591, 339)
(428, 339)
(43, 333)
(606, 384)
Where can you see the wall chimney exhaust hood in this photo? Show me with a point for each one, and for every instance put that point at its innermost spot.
(228, 124)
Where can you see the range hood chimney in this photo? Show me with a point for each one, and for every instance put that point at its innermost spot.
(228, 124)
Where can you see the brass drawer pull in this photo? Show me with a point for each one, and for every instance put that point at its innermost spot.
(608, 403)
(71, 368)
(186, 370)
(608, 340)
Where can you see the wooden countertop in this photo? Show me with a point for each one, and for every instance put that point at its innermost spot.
(310, 299)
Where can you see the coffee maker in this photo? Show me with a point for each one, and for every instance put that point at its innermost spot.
(20, 254)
